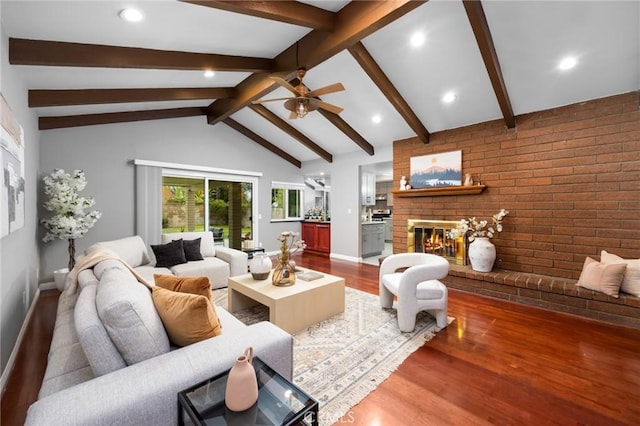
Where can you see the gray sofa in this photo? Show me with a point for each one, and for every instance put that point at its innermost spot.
(219, 262)
(111, 363)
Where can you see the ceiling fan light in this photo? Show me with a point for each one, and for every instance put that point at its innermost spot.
(301, 108)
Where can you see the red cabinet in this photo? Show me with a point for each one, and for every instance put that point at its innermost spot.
(317, 237)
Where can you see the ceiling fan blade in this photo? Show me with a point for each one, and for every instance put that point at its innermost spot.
(293, 115)
(336, 87)
(330, 107)
(284, 83)
(261, 101)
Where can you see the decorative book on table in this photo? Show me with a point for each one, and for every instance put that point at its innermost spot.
(310, 276)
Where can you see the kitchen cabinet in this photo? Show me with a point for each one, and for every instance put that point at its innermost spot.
(388, 230)
(317, 236)
(368, 189)
(372, 242)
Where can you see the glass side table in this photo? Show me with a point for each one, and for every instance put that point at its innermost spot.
(279, 402)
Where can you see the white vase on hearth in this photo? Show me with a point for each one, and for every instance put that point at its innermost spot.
(482, 254)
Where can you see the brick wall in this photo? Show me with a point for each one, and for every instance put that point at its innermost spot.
(569, 176)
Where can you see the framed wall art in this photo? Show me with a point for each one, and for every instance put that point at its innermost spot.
(436, 170)
(13, 175)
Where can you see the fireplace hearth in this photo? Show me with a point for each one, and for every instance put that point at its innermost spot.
(433, 236)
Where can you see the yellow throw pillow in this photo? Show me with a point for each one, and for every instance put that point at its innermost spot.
(193, 285)
(603, 278)
(188, 318)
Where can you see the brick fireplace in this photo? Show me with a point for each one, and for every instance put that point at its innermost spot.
(434, 237)
(568, 176)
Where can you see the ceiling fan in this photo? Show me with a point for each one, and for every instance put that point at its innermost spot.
(304, 100)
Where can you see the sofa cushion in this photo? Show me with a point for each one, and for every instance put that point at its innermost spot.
(192, 249)
(101, 353)
(126, 309)
(100, 268)
(207, 247)
(600, 277)
(631, 280)
(66, 367)
(131, 249)
(147, 272)
(215, 269)
(188, 318)
(170, 254)
(193, 285)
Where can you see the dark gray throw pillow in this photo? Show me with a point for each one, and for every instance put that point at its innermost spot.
(192, 249)
(170, 254)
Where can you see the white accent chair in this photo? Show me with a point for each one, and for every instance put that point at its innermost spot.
(417, 287)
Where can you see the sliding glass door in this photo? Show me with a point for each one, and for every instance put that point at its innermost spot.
(224, 207)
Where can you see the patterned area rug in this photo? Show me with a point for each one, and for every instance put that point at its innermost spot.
(340, 360)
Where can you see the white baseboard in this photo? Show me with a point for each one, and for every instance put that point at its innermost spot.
(48, 286)
(347, 258)
(14, 353)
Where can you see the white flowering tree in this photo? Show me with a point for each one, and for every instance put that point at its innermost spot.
(69, 220)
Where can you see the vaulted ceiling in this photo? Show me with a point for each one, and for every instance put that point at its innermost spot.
(83, 65)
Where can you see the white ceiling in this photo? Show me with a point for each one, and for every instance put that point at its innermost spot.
(530, 38)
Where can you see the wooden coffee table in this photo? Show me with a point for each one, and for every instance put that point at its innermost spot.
(292, 308)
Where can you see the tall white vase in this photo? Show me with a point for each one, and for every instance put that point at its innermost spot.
(482, 254)
(60, 277)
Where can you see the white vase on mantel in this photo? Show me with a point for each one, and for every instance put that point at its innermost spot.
(482, 254)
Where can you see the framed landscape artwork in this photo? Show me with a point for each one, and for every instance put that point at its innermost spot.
(436, 170)
(12, 176)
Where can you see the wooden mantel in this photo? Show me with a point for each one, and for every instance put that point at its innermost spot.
(439, 191)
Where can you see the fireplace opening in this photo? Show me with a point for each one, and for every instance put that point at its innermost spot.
(433, 236)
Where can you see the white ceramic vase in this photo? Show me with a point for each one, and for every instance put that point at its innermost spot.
(482, 254)
(60, 277)
(260, 266)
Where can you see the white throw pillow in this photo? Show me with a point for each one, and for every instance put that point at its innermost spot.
(600, 277)
(631, 280)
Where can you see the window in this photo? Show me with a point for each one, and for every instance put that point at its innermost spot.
(286, 201)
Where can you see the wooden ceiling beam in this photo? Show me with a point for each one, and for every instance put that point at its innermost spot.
(291, 131)
(63, 54)
(290, 12)
(47, 98)
(354, 22)
(262, 141)
(373, 70)
(60, 122)
(480, 27)
(349, 131)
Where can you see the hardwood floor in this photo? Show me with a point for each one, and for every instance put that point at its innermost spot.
(497, 363)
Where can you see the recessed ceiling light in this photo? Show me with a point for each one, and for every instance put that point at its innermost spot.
(417, 39)
(376, 118)
(209, 73)
(567, 63)
(449, 97)
(131, 15)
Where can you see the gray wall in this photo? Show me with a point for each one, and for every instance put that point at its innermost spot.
(19, 250)
(105, 153)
